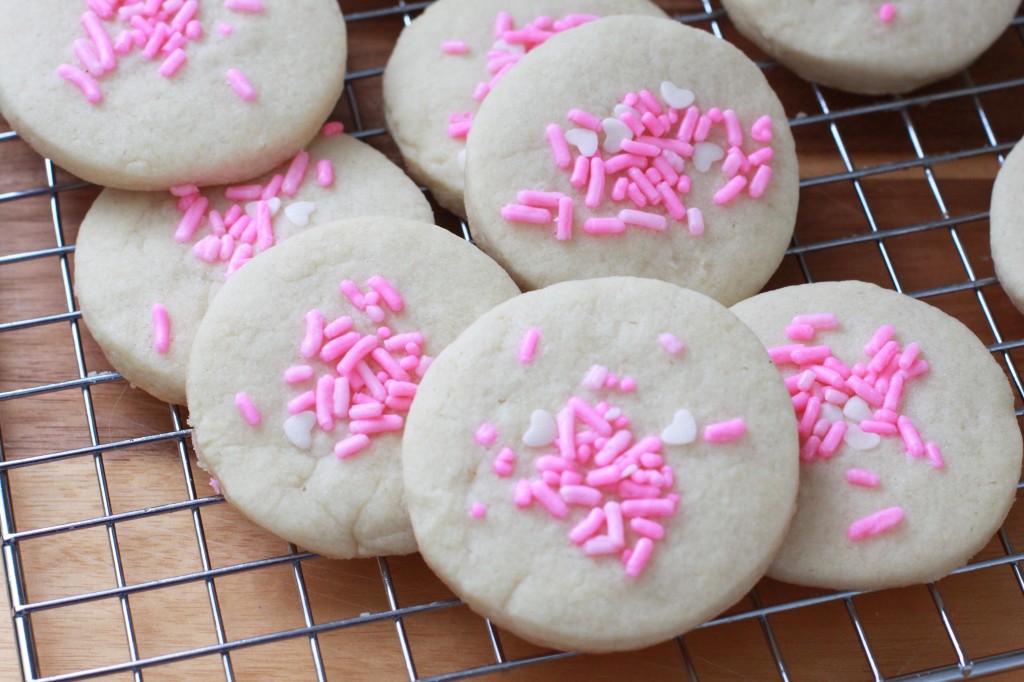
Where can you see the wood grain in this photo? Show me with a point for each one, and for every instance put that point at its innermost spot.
(986, 607)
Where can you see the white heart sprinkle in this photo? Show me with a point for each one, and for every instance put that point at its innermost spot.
(860, 440)
(683, 429)
(705, 154)
(831, 412)
(299, 429)
(615, 132)
(675, 96)
(857, 409)
(621, 109)
(274, 204)
(461, 158)
(583, 139)
(298, 212)
(542, 429)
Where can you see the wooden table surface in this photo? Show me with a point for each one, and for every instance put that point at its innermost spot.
(142, 515)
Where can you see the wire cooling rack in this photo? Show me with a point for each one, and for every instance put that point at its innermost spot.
(122, 564)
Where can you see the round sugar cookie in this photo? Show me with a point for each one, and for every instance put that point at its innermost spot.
(601, 465)
(1007, 225)
(446, 61)
(200, 92)
(303, 370)
(634, 146)
(133, 252)
(873, 47)
(914, 472)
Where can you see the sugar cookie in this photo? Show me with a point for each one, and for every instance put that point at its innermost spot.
(137, 250)
(145, 96)
(446, 62)
(305, 365)
(909, 446)
(1007, 226)
(870, 46)
(634, 146)
(601, 465)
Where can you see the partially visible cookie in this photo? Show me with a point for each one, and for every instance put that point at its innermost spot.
(1007, 226)
(873, 47)
(634, 146)
(601, 465)
(447, 60)
(910, 451)
(149, 95)
(304, 368)
(139, 250)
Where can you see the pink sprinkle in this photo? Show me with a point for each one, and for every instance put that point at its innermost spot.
(724, 432)
(878, 522)
(627, 385)
(759, 184)
(478, 510)
(863, 478)
(647, 528)
(350, 446)
(809, 449)
(225, 29)
(539, 199)
(549, 499)
(732, 189)
(931, 451)
(674, 207)
(100, 39)
(215, 484)
(761, 156)
(761, 131)
(251, 6)
(581, 495)
(528, 346)
(670, 344)
(342, 396)
(296, 174)
(243, 193)
(650, 221)
(516, 213)
(314, 337)
(638, 559)
(355, 355)
(660, 507)
(580, 172)
(911, 438)
(585, 120)
(325, 402)
(240, 84)
(161, 329)
(595, 190)
(454, 47)
(523, 494)
(387, 292)
(732, 128)
(603, 226)
(833, 439)
(880, 427)
(585, 529)
(502, 24)
(192, 219)
(800, 332)
(887, 12)
(83, 81)
(621, 162)
(688, 125)
(559, 147)
(563, 226)
(388, 422)
(332, 129)
(486, 434)
(880, 338)
(298, 373)
(248, 409)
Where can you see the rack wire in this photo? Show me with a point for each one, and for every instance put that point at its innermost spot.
(121, 563)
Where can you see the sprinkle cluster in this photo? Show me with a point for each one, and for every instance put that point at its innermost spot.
(857, 405)
(510, 44)
(592, 460)
(369, 380)
(157, 29)
(638, 157)
(246, 228)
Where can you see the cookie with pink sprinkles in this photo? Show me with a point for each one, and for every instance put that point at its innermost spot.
(873, 47)
(634, 146)
(305, 367)
(447, 61)
(147, 94)
(147, 264)
(601, 465)
(910, 452)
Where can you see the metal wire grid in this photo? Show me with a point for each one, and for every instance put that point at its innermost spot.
(22, 608)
